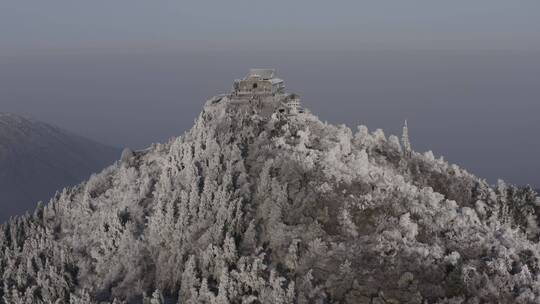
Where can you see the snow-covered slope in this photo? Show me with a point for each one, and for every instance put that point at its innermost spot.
(37, 159)
(250, 208)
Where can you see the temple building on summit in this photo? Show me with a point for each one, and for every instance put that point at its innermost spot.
(261, 88)
(259, 82)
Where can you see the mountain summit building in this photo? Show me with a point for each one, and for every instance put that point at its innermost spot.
(259, 82)
(262, 89)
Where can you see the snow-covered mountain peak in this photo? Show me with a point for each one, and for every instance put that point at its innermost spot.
(254, 205)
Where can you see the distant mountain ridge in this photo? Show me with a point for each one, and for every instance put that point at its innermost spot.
(37, 159)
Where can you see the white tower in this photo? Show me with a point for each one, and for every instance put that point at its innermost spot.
(405, 141)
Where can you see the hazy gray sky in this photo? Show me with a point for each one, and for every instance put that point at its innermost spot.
(456, 24)
(466, 73)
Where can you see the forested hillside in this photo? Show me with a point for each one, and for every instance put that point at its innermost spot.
(252, 208)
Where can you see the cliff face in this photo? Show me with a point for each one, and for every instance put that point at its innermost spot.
(252, 208)
(36, 159)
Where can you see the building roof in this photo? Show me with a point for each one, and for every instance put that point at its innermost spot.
(263, 73)
(276, 80)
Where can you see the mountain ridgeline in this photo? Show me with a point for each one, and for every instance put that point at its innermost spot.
(253, 207)
(36, 159)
